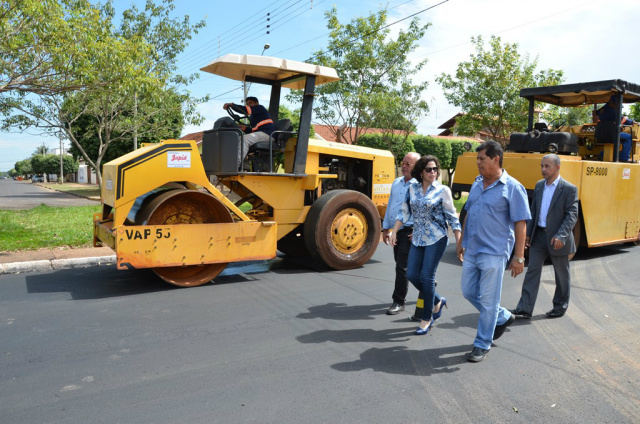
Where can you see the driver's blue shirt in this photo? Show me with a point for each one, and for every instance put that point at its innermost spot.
(258, 116)
(610, 114)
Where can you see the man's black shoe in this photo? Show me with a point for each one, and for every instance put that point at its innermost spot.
(477, 354)
(395, 309)
(520, 313)
(414, 318)
(554, 313)
(500, 328)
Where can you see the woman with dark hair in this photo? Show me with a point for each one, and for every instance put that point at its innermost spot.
(430, 204)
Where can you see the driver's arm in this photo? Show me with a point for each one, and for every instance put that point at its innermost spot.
(239, 108)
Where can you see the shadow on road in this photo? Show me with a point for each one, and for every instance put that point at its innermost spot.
(342, 311)
(82, 285)
(405, 361)
(366, 335)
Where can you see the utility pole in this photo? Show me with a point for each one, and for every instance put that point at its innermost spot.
(61, 179)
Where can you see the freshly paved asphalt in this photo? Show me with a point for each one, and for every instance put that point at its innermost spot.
(23, 195)
(276, 342)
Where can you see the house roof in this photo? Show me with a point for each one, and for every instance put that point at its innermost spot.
(328, 132)
(196, 136)
(450, 122)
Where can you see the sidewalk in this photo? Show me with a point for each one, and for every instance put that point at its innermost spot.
(54, 259)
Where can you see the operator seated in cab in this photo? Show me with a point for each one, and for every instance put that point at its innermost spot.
(261, 124)
(609, 113)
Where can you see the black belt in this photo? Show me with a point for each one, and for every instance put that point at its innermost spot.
(541, 228)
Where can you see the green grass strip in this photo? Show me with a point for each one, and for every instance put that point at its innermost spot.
(45, 226)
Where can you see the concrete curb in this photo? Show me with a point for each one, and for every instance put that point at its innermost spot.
(56, 264)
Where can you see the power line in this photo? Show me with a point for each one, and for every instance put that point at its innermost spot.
(509, 29)
(354, 39)
(249, 40)
(325, 34)
(221, 40)
(351, 41)
(318, 3)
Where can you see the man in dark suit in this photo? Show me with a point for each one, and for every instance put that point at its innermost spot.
(554, 212)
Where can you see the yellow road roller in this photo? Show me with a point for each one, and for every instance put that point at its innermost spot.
(169, 207)
(608, 190)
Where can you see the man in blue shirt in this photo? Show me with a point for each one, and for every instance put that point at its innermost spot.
(401, 249)
(497, 212)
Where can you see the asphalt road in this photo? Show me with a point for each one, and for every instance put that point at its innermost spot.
(275, 342)
(22, 195)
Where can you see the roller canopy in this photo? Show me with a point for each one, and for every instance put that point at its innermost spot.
(290, 72)
(583, 93)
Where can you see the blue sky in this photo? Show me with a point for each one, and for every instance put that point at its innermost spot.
(588, 39)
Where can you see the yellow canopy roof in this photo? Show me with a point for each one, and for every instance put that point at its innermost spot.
(238, 67)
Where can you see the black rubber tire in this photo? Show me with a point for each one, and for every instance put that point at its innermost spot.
(342, 230)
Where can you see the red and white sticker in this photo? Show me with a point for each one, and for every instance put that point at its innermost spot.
(178, 159)
(626, 173)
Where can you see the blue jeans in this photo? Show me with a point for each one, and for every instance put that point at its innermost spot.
(625, 153)
(421, 272)
(482, 286)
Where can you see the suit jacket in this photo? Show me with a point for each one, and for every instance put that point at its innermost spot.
(561, 218)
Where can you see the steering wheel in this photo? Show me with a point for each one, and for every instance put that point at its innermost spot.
(237, 116)
(557, 124)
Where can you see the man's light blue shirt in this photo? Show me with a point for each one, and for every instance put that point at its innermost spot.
(398, 193)
(491, 215)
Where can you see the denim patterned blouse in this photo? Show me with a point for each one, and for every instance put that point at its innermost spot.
(430, 212)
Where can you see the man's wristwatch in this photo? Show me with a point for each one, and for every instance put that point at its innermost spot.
(519, 260)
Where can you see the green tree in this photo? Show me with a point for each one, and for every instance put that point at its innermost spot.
(23, 167)
(38, 164)
(294, 116)
(556, 116)
(41, 150)
(45, 44)
(128, 80)
(487, 88)
(441, 149)
(375, 86)
(634, 112)
(51, 165)
(398, 145)
(106, 139)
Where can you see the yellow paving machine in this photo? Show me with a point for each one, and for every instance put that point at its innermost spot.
(608, 190)
(160, 209)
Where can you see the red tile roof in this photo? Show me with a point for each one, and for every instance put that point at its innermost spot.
(196, 136)
(328, 132)
(456, 137)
